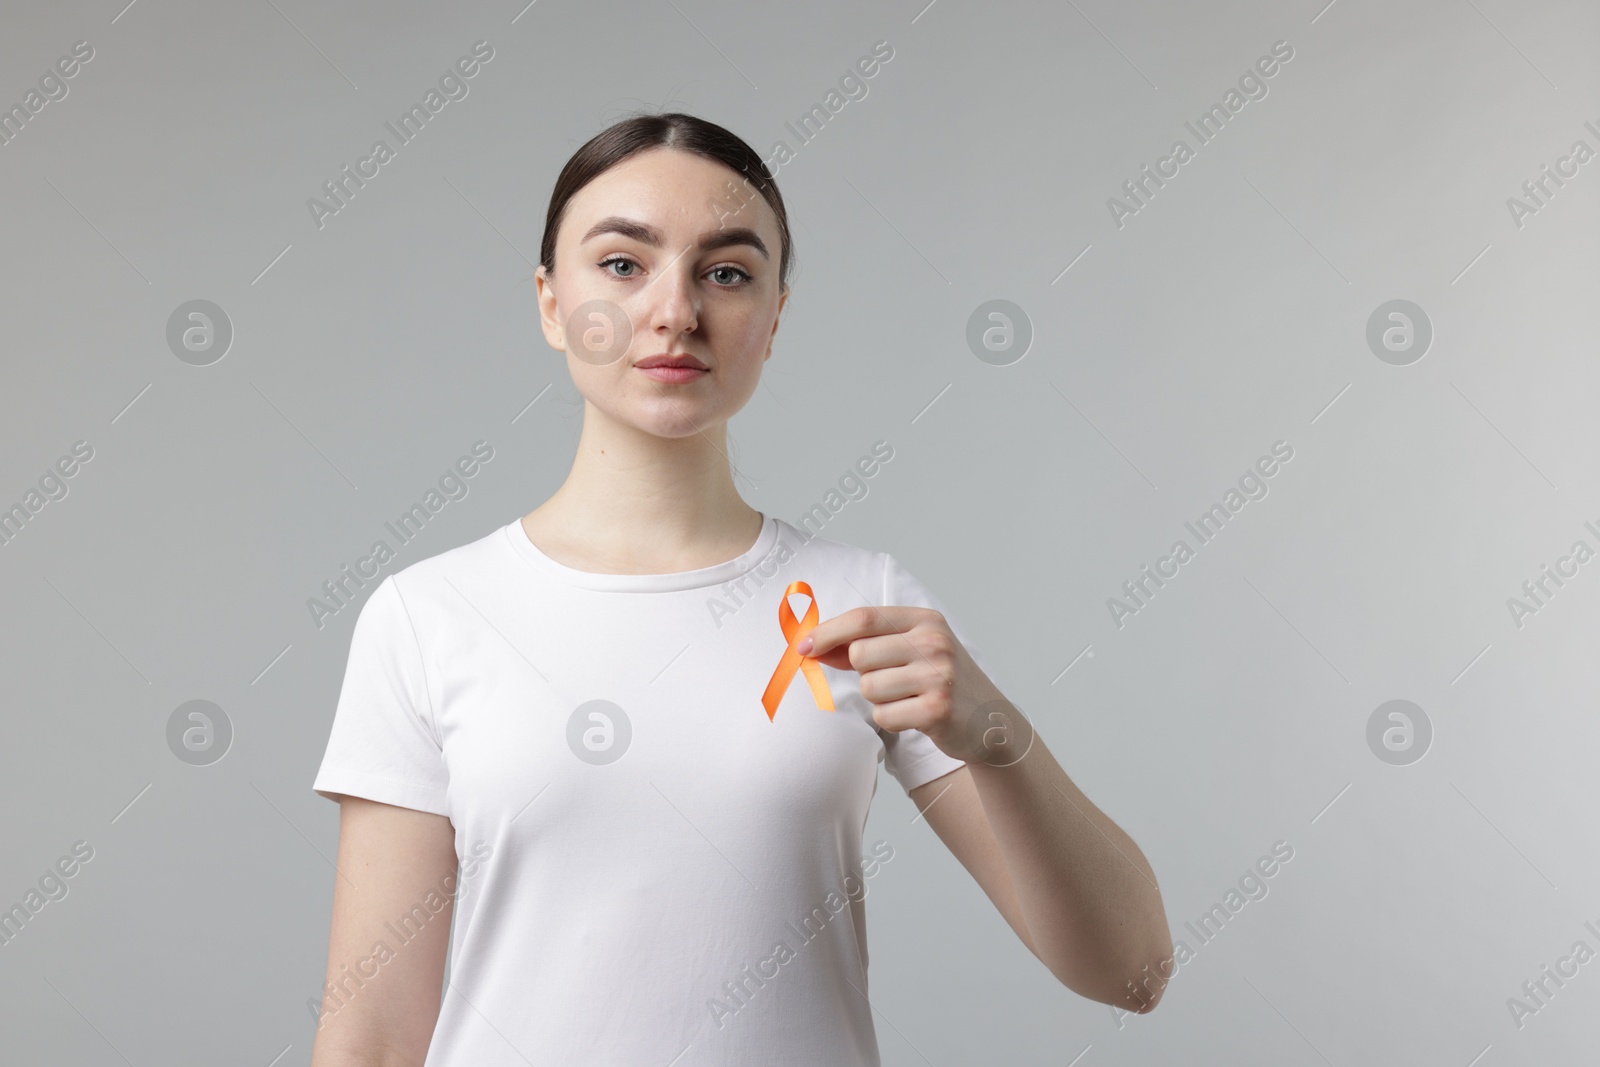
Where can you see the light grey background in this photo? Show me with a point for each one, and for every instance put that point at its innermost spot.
(1228, 314)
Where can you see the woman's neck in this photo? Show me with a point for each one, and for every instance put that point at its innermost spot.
(636, 503)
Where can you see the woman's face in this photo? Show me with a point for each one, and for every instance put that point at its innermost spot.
(665, 254)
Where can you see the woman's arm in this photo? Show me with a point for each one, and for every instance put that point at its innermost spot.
(380, 1004)
(1074, 886)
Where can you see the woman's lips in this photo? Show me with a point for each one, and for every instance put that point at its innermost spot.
(672, 375)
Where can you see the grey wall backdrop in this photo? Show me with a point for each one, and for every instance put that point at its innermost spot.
(1379, 261)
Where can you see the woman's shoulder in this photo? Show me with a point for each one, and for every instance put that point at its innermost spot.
(862, 566)
(483, 556)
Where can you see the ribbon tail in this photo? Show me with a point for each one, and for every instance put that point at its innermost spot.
(818, 682)
(779, 683)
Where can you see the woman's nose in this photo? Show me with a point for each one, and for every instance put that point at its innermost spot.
(673, 300)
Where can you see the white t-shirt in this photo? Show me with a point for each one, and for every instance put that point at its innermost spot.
(667, 876)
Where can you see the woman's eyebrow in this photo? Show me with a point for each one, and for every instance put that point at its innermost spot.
(644, 233)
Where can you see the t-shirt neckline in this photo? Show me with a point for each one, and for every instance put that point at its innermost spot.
(674, 581)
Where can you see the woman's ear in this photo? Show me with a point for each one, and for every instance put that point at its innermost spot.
(549, 321)
(783, 298)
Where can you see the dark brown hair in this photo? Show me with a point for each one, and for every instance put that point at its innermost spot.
(674, 129)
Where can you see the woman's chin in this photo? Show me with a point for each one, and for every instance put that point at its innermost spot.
(679, 419)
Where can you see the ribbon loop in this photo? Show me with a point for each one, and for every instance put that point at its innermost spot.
(793, 630)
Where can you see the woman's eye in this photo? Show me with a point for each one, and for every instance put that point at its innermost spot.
(741, 275)
(726, 276)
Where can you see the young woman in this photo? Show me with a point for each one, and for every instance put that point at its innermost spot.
(645, 719)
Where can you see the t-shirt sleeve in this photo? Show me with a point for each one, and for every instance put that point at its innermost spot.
(384, 744)
(910, 755)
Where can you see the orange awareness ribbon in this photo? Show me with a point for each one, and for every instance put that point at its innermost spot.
(793, 632)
